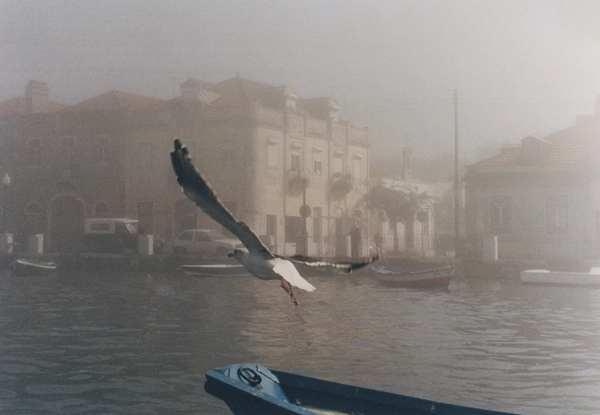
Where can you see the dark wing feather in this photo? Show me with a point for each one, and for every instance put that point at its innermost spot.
(345, 266)
(197, 189)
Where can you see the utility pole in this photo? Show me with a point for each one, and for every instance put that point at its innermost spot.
(456, 179)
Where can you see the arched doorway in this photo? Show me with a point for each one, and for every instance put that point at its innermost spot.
(66, 224)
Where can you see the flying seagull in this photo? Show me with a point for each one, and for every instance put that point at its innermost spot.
(256, 258)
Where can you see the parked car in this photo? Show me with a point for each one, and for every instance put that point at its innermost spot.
(204, 242)
(110, 235)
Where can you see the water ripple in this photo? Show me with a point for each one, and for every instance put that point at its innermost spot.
(89, 344)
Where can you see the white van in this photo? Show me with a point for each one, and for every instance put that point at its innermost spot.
(111, 235)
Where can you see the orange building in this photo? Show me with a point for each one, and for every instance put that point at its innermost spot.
(265, 150)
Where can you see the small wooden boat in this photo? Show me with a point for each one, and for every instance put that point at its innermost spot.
(426, 278)
(24, 266)
(569, 279)
(250, 389)
(214, 270)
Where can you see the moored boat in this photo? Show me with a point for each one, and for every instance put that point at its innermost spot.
(250, 389)
(564, 278)
(425, 278)
(213, 270)
(24, 266)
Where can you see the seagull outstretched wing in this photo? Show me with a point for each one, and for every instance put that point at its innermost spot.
(344, 266)
(288, 272)
(196, 188)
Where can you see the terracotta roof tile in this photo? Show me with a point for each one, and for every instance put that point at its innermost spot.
(13, 106)
(18, 106)
(578, 144)
(114, 100)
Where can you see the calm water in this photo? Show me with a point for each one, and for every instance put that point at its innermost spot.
(141, 343)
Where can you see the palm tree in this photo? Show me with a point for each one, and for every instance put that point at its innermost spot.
(397, 206)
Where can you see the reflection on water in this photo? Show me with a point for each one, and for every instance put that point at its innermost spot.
(136, 343)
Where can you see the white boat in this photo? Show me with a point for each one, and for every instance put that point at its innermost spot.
(425, 278)
(24, 266)
(213, 270)
(574, 279)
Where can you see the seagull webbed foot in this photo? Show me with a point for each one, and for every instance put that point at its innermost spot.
(288, 289)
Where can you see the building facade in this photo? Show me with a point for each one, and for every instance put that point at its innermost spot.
(415, 236)
(539, 200)
(266, 151)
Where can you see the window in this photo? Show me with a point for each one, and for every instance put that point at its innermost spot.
(272, 159)
(186, 236)
(357, 169)
(101, 149)
(338, 163)
(295, 161)
(293, 226)
(145, 154)
(34, 151)
(557, 213)
(317, 161)
(202, 237)
(501, 216)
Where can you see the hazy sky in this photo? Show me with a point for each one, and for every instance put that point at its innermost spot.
(520, 67)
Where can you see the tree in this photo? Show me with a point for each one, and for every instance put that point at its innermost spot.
(397, 206)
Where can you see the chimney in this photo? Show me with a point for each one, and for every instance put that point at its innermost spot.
(36, 97)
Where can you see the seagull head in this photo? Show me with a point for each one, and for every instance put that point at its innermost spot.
(239, 253)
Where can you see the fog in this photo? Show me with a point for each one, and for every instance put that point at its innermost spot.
(519, 67)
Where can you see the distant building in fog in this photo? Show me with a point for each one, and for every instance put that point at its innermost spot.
(416, 236)
(540, 200)
(257, 144)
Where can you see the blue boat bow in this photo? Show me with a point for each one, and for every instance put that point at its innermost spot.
(251, 389)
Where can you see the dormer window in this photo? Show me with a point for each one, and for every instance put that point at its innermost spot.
(290, 98)
(334, 110)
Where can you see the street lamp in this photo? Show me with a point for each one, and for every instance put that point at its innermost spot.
(5, 185)
(305, 211)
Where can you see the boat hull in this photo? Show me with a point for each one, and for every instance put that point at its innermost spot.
(31, 267)
(436, 277)
(567, 279)
(214, 270)
(250, 389)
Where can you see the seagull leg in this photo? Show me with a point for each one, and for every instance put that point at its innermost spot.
(287, 287)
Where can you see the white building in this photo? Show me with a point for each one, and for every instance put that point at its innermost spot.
(539, 200)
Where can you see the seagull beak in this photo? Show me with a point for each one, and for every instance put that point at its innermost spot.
(230, 254)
